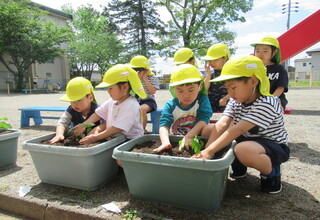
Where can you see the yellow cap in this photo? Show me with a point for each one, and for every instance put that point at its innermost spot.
(140, 62)
(123, 73)
(77, 88)
(183, 55)
(246, 66)
(185, 73)
(272, 41)
(217, 51)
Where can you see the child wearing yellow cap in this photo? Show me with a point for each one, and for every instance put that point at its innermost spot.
(184, 55)
(189, 111)
(217, 56)
(83, 104)
(253, 117)
(150, 84)
(121, 112)
(268, 50)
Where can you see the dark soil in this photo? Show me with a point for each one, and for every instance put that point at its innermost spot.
(5, 132)
(72, 142)
(148, 147)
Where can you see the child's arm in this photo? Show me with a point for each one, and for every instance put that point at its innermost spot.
(223, 101)
(151, 88)
(164, 137)
(208, 76)
(59, 134)
(79, 130)
(196, 130)
(278, 91)
(94, 137)
(226, 138)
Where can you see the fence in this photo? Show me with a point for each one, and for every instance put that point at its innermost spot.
(304, 79)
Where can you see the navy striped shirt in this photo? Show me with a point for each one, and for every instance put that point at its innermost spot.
(265, 112)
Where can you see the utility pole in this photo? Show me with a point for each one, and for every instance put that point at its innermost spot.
(289, 8)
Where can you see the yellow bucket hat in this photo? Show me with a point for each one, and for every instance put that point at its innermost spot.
(183, 74)
(182, 56)
(141, 62)
(123, 73)
(246, 66)
(272, 41)
(217, 51)
(77, 88)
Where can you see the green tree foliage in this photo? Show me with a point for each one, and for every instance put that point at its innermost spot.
(137, 22)
(198, 24)
(93, 45)
(27, 37)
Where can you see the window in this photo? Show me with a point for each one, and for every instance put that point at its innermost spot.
(48, 75)
(304, 64)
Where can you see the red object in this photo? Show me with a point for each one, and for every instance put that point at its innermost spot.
(300, 37)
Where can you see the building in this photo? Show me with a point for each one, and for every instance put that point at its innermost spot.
(51, 72)
(307, 68)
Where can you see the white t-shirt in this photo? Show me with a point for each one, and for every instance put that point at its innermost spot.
(125, 116)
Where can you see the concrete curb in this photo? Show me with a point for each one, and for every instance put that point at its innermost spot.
(36, 210)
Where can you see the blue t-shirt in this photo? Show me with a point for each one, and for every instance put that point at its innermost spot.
(181, 119)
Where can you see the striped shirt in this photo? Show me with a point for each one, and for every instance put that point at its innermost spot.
(265, 112)
(155, 82)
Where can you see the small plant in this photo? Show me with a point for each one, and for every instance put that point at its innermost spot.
(85, 195)
(4, 124)
(196, 144)
(88, 127)
(130, 214)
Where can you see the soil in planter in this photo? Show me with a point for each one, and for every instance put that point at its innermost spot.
(148, 147)
(5, 132)
(72, 142)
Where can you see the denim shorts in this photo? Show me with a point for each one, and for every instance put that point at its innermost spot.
(150, 102)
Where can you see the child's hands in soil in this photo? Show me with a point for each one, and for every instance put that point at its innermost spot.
(57, 138)
(78, 130)
(203, 155)
(184, 143)
(89, 139)
(162, 147)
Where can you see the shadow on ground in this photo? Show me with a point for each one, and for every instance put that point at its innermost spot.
(304, 153)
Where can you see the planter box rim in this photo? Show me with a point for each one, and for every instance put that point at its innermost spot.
(14, 134)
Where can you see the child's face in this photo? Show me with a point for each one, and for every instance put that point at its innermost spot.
(264, 52)
(83, 105)
(117, 92)
(187, 93)
(218, 63)
(241, 91)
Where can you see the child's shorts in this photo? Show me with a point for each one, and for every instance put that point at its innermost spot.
(150, 102)
(278, 153)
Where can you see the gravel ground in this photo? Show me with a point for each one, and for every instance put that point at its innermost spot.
(299, 198)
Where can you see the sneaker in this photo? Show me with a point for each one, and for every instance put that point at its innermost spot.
(235, 175)
(238, 170)
(271, 185)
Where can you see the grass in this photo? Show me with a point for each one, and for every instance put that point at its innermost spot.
(304, 83)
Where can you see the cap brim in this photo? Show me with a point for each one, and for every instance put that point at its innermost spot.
(262, 43)
(224, 78)
(103, 85)
(190, 80)
(209, 58)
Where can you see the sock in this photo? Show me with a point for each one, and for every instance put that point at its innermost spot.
(270, 175)
(277, 170)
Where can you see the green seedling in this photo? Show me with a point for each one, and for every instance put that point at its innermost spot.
(85, 195)
(88, 127)
(4, 124)
(130, 214)
(196, 144)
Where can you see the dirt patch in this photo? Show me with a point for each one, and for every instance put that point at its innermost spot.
(148, 147)
(5, 132)
(72, 142)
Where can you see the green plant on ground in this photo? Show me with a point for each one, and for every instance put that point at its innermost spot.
(4, 124)
(130, 214)
(196, 144)
(85, 195)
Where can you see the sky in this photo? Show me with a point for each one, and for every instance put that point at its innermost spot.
(266, 17)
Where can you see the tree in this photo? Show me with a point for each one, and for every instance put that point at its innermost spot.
(200, 23)
(137, 21)
(93, 45)
(27, 37)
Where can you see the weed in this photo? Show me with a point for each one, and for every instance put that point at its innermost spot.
(84, 195)
(130, 214)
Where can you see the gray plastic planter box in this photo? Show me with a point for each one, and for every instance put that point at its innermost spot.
(81, 168)
(9, 148)
(193, 184)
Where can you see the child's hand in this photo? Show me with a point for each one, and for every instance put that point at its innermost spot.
(185, 143)
(207, 68)
(203, 155)
(162, 147)
(89, 139)
(57, 138)
(78, 130)
(222, 102)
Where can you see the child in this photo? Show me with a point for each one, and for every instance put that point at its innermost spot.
(122, 111)
(268, 50)
(83, 104)
(189, 111)
(184, 55)
(150, 84)
(217, 56)
(254, 119)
